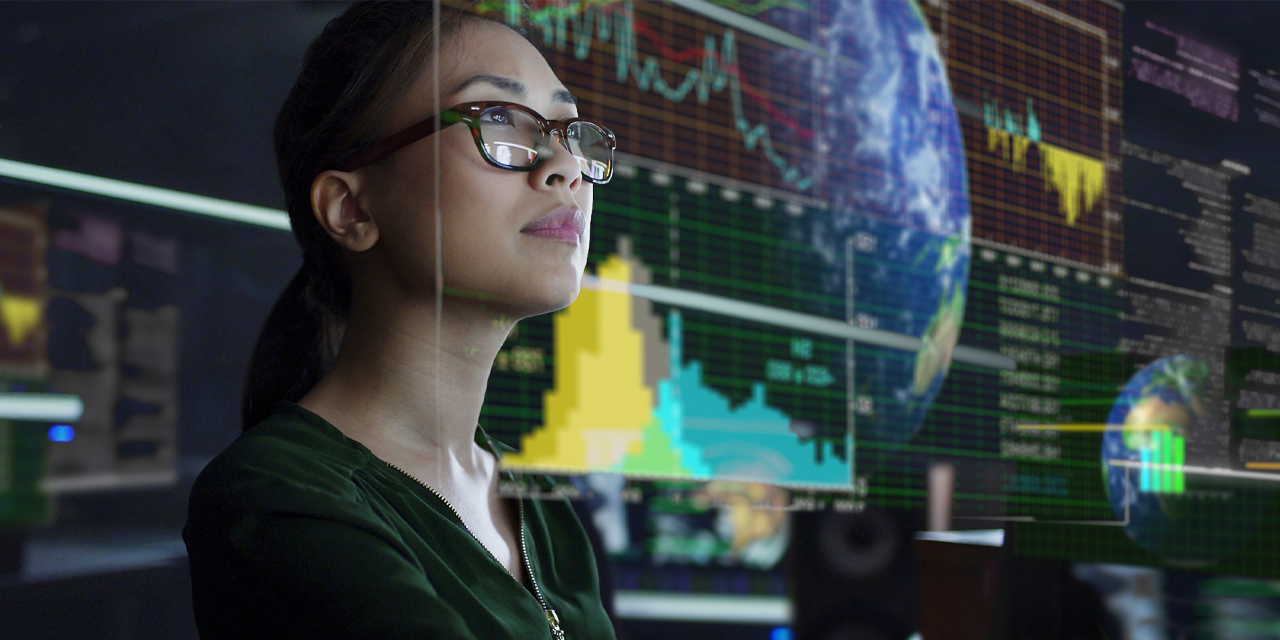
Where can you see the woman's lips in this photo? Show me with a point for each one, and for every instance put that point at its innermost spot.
(564, 224)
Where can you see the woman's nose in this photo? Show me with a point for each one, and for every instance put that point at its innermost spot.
(545, 147)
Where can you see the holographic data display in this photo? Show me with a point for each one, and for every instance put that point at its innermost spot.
(727, 191)
(714, 197)
(1117, 241)
(711, 187)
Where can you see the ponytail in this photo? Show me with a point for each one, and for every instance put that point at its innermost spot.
(296, 347)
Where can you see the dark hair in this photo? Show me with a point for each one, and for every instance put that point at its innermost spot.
(352, 73)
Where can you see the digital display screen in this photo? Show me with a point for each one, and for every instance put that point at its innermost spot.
(849, 242)
(1009, 264)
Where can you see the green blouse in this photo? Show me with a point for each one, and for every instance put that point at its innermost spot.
(296, 531)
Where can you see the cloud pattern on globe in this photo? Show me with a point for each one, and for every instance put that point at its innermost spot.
(892, 170)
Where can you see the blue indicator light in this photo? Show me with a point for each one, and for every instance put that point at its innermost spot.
(62, 433)
(780, 633)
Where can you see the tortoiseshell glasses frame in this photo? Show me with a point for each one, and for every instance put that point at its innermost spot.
(518, 139)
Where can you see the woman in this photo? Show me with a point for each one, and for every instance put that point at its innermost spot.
(362, 502)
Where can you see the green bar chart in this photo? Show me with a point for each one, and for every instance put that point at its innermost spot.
(1162, 463)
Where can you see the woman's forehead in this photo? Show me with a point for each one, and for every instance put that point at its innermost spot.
(490, 49)
(485, 60)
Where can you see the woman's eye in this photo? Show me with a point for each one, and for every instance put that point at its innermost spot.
(499, 116)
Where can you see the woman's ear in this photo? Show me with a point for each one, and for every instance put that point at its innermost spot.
(334, 203)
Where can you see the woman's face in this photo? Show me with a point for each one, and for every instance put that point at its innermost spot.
(492, 247)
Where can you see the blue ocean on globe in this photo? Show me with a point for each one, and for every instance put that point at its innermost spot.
(1207, 517)
(894, 176)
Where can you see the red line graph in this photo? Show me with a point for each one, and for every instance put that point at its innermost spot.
(693, 53)
(698, 52)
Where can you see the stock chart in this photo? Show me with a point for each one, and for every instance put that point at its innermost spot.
(847, 241)
(730, 303)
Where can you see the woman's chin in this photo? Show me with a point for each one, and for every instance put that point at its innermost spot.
(560, 300)
(545, 297)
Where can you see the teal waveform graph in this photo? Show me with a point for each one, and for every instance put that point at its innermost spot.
(716, 71)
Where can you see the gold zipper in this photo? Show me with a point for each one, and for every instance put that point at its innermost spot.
(553, 620)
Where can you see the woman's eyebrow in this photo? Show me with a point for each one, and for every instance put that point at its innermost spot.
(513, 87)
(508, 85)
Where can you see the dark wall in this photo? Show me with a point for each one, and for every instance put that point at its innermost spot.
(179, 95)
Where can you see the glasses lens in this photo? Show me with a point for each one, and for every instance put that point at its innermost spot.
(590, 145)
(510, 137)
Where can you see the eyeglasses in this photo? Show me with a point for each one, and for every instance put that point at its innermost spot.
(509, 136)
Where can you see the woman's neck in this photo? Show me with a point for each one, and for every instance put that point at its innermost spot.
(409, 383)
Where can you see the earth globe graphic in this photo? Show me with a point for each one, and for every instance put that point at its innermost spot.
(897, 233)
(1187, 520)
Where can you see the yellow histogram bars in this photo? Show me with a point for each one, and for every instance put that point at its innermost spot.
(1077, 178)
(601, 403)
(1014, 147)
(1093, 428)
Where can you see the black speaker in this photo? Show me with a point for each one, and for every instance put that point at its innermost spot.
(853, 575)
